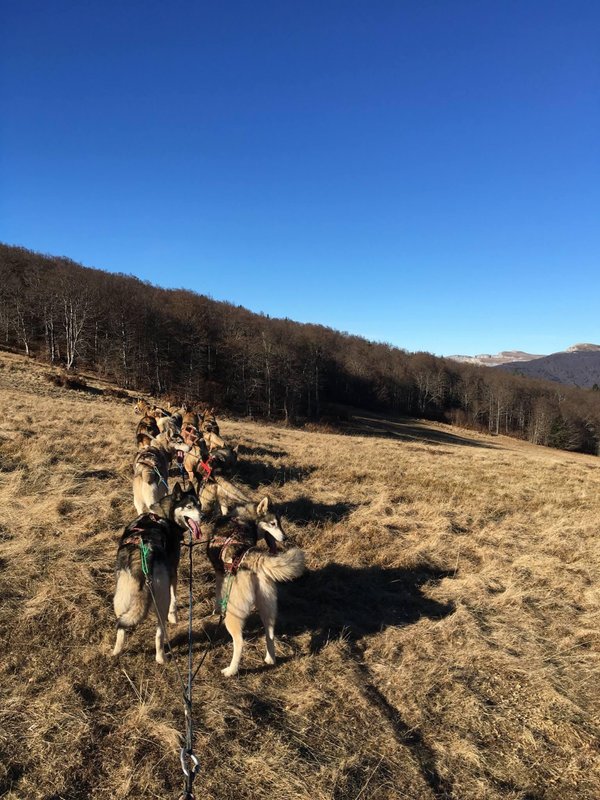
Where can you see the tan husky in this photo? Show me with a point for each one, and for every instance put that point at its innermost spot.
(247, 577)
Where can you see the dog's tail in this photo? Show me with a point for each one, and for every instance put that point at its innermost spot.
(131, 601)
(279, 568)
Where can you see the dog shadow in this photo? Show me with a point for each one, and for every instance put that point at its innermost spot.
(353, 602)
(259, 473)
(304, 510)
(256, 450)
(98, 474)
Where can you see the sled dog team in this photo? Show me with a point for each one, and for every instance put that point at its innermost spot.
(212, 509)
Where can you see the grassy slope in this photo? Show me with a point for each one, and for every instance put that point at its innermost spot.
(443, 644)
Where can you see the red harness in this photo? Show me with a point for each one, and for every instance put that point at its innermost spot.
(206, 468)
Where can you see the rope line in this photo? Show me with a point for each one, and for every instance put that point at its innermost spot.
(190, 765)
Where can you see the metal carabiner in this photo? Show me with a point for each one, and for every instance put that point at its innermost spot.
(194, 763)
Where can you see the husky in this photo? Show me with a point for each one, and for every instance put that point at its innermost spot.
(213, 440)
(195, 461)
(247, 577)
(170, 423)
(146, 409)
(141, 406)
(209, 421)
(151, 469)
(159, 533)
(201, 465)
(221, 493)
(145, 431)
(191, 418)
(223, 459)
(191, 434)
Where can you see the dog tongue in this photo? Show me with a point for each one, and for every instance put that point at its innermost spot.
(179, 456)
(194, 528)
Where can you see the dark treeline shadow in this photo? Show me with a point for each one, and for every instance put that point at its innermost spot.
(408, 431)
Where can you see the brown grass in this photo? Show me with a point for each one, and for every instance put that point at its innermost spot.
(444, 643)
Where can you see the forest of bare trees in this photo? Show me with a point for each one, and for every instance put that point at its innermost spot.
(184, 344)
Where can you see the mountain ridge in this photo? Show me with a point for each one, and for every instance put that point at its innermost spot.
(515, 358)
(579, 365)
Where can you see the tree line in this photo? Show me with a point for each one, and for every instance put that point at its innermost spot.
(183, 344)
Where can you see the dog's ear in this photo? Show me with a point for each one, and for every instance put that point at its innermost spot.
(177, 491)
(263, 506)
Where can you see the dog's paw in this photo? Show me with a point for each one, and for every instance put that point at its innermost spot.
(229, 672)
(269, 660)
(160, 658)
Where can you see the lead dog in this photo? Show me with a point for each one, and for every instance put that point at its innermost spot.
(245, 576)
(158, 534)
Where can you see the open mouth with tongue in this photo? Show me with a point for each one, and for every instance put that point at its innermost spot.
(194, 527)
(180, 455)
(271, 543)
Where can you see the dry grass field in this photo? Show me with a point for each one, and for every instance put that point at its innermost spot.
(443, 643)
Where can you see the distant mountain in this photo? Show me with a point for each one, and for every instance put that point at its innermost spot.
(578, 365)
(486, 360)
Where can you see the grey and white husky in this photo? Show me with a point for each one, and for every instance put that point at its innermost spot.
(151, 469)
(153, 540)
(247, 577)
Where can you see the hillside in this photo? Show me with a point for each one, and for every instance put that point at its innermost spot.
(182, 345)
(578, 366)
(443, 643)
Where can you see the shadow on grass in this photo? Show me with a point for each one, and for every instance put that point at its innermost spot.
(304, 510)
(349, 602)
(259, 473)
(353, 602)
(258, 450)
(409, 430)
(98, 474)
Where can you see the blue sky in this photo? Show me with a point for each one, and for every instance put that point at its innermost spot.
(422, 173)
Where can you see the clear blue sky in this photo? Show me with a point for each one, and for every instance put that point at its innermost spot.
(423, 173)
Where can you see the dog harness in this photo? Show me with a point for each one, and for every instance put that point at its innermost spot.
(136, 538)
(232, 550)
(138, 529)
(190, 434)
(205, 466)
(147, 459)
